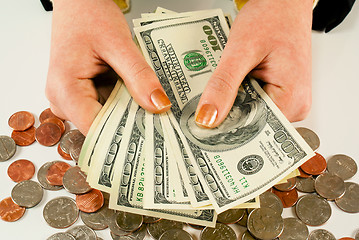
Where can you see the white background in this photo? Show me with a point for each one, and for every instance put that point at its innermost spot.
(25, 29)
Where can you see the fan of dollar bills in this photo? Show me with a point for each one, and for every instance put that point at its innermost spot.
(165, 165)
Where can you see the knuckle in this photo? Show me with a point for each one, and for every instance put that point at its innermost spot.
(139, 70)
(224, 82)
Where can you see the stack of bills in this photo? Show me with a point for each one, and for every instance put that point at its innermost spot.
(165, 165)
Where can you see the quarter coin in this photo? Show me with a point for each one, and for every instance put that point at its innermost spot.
(349, 202)
(230, 216)
(321, 234)
(176, 234)
(129, 221)
(74, 181)
(220, 232)
(82, 232)
(313, 210)
(158, 228)
(7, 148)
(270, 200)
(10, 211)
(24, 138)
(20, 121)
(342, 165)
(329, 186)
(305, 184)
(289, 185)
(310, 137)
(61, 236)
(265, 223)
(247, 236)
(294, 229)
(69, 138)
(27, 193)
(21, 170)
(61, 212)
(75, 148)
(97, 220)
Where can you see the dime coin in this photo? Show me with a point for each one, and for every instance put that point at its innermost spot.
(288, 198)
(329, 186)
(64, 155)
(48, 134)
(129, 221)
(342, 165)
(61, 212)
(265, 223)
(56, 172)
(294, 229)
(310, 137)
(7, 148)
(74, 181)
(97, 220)
(247, 236)
(313, 210)
(61, 236)
(220, 232)
(21, 170)
(270, 200)
(305, 184)
(148, 219)
(315, 165)
(47, 113)
(230, 216)
(289, 185)
(91, 201)
(349, 202)
(82, 232)
(27, 193)
(10, 211)
(75, 149)
(176, 234)
(69, 138)
(41, 177)
(20, 121)
(158, 228)
(56, 121)
(24, 138)
(321, 234)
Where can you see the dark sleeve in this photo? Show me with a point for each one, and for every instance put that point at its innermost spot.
(330, 13)
(47, 4)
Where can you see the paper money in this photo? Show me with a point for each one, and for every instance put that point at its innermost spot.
(254, 148)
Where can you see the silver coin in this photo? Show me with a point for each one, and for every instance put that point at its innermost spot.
(329, 186)
(74, 181)
(310, 137)
(75, 148)
(176, 234)
(294, 229)
(321, 234)
(305, 184)
(158, 228)
(247, 236)
(349, 202)
(27, 193)
(220, 232)
(41, 177)
(342, 165)
(313, 210)
(129, 221)
(270, 200)
(7, 148)
(97, 220)
(69, 138)
(231, 216)
(265, 223)
(82, 232)
(61, 236)
(139, 234)
(357, 235)
(112, 224)
(286, 187)
(61, 212)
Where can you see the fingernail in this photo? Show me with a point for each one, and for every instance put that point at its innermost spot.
(160, 99)
(206, 115)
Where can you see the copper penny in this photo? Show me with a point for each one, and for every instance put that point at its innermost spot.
(288, 198)
(303, 174)
(346, 238)
(56, 172)
(21, 121)
(47, 113)
(48, 134)
(24, 138)
(56, 121)
(21, 170)
(10, 211)
(64, 155)
(315, 165)
(90, 202)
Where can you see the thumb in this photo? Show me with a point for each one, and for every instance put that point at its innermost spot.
(236, 62)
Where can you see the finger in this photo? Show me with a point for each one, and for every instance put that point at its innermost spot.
(238, 58)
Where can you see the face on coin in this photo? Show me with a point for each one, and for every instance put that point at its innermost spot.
(7, 148)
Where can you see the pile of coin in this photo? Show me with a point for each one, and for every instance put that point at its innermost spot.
(320, 181)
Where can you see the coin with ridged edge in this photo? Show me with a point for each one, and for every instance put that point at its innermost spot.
(294, 229)
(74, 181)
(247, 236)
(305, 185)
(310, 137)
(313, 210)
(176, 234)
(27, 193)
(220, 232)
(61, 236)
(97, 220)
(265, 223)
(329, 186)
(7, 148)
(61, 212)
(82, 232)
(139, 234)
(230, 216)
(69, 138)
(129, 221)
(349, 202)
(270, 200)
(158, 228)
(321, 234)
(342, 165)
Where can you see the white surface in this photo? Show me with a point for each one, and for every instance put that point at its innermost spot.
(24, 52)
